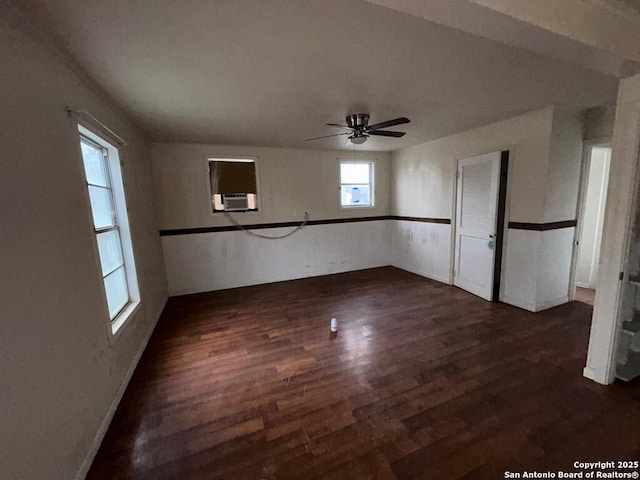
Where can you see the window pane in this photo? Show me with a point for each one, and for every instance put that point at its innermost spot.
(232, 176)
(355, 195)
(110, 251)
(115, 285)
(354, 172)
(101, 206)
(94, 165)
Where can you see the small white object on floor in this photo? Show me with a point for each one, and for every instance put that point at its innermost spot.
(334, 324)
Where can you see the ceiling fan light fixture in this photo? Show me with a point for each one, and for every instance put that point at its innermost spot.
(359, 139)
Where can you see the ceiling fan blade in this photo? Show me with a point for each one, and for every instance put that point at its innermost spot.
(386, 133)
(389, 123)
(336, 125)
(327, 136)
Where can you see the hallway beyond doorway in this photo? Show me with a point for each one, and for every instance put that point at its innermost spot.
(585, 295)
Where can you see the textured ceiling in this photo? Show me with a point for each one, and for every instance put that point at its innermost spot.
(635, 4)
(272, 73)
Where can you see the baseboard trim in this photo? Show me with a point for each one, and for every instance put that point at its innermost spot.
(180, 293)
(594, 375)
(311, 274)
(514, 302)
(423, 274)
(589, 373)
(106, 421)
(552, 303)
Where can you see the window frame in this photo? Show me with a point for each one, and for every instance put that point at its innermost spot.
(371, 184)
(217, 213)
(120, 223)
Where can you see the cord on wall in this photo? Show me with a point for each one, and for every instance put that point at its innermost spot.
(267, 237)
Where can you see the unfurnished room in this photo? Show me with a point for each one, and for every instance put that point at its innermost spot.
(331, 239)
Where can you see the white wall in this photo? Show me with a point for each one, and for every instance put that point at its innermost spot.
(423, 176)
(422, 248)
(554, 267)
(592, 218)
(544, 169)
(215, 261)
(561, 201)
(60, 372)
(423, 179)
(519, 269)
(562, 182)
(598, 123)
(290, 182)
(537, 268)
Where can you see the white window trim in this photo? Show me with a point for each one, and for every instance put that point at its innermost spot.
(115, 326)
(206, 159)
(372, 163)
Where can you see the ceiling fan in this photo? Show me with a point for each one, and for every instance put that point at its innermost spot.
(360, 130)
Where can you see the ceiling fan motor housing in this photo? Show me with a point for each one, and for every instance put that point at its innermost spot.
(358, 123)
(358, 120)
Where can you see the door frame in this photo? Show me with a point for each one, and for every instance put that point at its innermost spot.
(619, 219)
(505, 195)
(585, 167)
(501, 224)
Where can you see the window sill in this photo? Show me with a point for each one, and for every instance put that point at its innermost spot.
(119, 322)
(362, 207)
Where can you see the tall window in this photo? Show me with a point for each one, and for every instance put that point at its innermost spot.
(111, 225)
(356, 184)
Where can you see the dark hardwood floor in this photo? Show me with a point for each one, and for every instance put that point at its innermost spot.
(422, 381)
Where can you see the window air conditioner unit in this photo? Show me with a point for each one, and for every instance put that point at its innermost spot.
(235, 202)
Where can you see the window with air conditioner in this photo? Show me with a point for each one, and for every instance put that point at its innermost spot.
(106, 195)
(234, 187)
(356, 184)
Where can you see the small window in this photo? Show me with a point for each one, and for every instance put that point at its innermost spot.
(356, 184)
(111, 225)
(234, 187)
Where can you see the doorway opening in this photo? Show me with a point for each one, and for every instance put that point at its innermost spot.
(593, 198)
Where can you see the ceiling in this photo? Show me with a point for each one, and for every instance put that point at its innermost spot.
(502, 21)
(635, 4)
(272, 73)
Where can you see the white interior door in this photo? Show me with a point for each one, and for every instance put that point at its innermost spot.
(475, 237)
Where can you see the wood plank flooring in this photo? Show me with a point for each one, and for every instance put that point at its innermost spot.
(422, 381)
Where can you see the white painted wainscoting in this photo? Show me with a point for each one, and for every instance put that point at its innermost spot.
(218, 260)
(536, 259)
(422, 247)
(518, 286)
(537, 268)
(554, 268)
